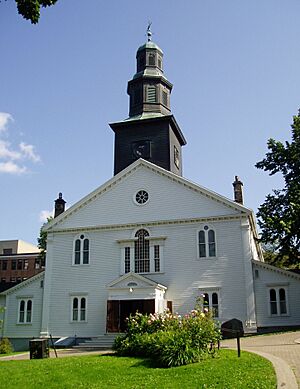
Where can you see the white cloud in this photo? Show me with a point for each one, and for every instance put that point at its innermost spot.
(4, 119)
(28, 152)
(44, 215)
(12, 168)
(9, 155)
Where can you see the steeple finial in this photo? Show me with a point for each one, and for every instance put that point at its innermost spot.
(149, 33)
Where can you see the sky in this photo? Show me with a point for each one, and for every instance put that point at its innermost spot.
(235, 69)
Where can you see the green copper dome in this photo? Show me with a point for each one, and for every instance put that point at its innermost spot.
(150, 45)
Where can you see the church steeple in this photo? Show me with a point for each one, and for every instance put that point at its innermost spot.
(149, 90)
(151, 131)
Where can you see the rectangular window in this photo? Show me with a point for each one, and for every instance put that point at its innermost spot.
(79, 304)
(4, 265)
(20, 264)
(7, 251)
(127, 259)
(26, 264)
(3, 279)
(37, 264)
(13, 264)
(211, 302)
(12, 279)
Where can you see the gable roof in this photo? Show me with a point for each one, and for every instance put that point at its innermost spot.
(25, 283)
(275, 269)
(158, 170)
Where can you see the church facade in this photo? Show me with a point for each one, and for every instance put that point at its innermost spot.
(149, 239)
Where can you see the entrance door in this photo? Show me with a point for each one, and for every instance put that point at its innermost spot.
(119, 310)
(128, 307)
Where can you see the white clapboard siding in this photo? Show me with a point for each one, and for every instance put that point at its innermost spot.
(267, 276)
(170, 198)
(31, 288)
(185, 274)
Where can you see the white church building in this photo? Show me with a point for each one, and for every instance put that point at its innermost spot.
(149, 239)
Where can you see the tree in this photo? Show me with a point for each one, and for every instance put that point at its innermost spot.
(42, 243)
(30, 9)
(279, 215)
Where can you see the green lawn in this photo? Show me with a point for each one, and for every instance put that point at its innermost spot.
(224, 371)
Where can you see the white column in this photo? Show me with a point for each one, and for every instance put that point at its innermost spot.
(250, 325)
(47, 287)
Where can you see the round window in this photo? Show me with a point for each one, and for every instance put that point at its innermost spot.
(141, 197)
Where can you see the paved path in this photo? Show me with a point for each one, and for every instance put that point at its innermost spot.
(61, 353)
(283, 350)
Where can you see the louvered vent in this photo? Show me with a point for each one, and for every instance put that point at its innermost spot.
(151, 94)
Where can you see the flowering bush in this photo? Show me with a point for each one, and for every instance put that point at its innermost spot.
(170, 339)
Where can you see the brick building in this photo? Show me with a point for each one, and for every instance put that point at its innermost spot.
(19, 260)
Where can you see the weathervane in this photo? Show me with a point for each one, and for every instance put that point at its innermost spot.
(149, 33)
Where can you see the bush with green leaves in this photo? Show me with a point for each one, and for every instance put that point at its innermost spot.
(5, 346)
(170, 339)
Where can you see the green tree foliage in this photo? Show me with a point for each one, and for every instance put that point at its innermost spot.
(30, 9)
(279, 215)
(42, 242)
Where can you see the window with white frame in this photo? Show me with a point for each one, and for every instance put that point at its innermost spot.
(79, 309)
(206, 242)
(81, 254)
(278, 301)
(211, 302)
(142, 253)
(25, 311)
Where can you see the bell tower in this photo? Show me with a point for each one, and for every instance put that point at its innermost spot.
(151, 131)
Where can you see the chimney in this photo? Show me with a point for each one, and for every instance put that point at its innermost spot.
(59, 205)
(238, 190)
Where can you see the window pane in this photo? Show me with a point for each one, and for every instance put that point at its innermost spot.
(75, 314)
(85, 257)
(206, 300)
(77, 258)
(272, 295)
(282, 302)
(22, 311)
(83, 303)
(28, 313)
(201, 237)
(273, 308)
(75, 303)
(77, 245)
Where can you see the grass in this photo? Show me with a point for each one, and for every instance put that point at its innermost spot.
(103, 371)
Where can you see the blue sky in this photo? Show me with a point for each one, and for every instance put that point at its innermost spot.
(235, 69)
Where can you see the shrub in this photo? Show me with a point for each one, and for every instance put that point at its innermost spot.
(5, 346)
(169, 339)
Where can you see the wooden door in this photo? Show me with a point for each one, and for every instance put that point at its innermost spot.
(113, 316)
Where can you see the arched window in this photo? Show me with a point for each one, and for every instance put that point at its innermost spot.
(141, 252)
(25, 311)
(29, 310)
(22, 312)
(81, 251)
(282, 301)
(75, 309)
(206, 242)
(273, 302)
(82, 309)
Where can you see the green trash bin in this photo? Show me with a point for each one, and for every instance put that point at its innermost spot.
(39, 348)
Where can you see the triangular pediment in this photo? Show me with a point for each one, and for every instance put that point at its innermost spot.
(133, 280)
(171, 198)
